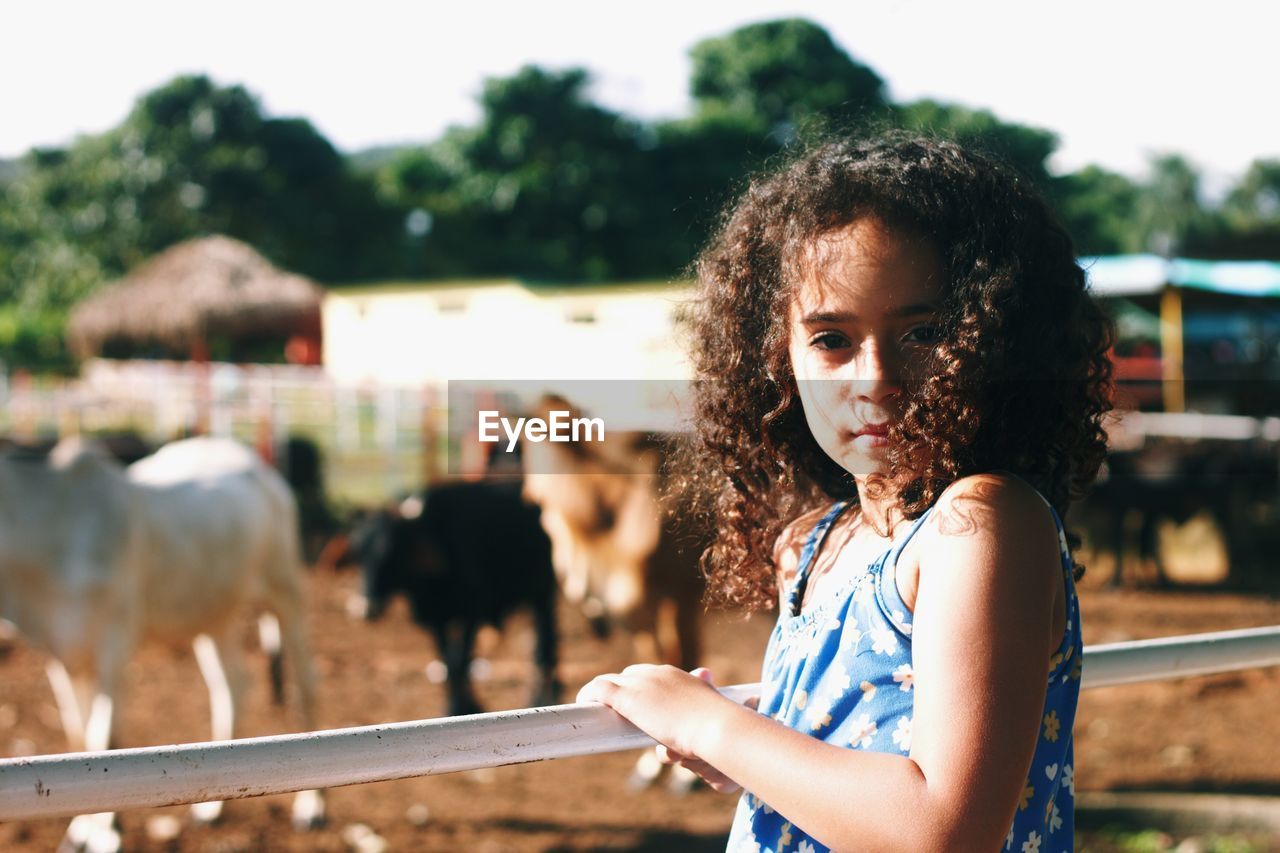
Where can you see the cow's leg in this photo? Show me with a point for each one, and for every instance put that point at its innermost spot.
(308, 806)
(458, 639)
(689, 631)
(1119, 542)
(1149, 548)
(269, 638)
(99, 832)
(548, 688)
(75, 699)
(222, 665)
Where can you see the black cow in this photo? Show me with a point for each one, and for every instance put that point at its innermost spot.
(1230, 481)
(472, 555)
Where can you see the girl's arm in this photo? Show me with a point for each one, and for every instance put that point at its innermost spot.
(989, 563)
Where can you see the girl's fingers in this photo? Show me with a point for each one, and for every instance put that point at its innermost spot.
(713, 777)
(667, 755)
(598, 689)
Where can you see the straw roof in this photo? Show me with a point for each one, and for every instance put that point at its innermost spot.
(206, 287)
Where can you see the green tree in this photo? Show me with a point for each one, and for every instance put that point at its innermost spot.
(784, 77)
(1170, 215)
(545, 186)
(1025, 148)
(1098, 207)
(194, 158)
(1248, 225)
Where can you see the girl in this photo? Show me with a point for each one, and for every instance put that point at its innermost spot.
(908, 381)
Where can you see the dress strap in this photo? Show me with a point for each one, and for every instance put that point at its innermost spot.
(815, 541)
(902, 543)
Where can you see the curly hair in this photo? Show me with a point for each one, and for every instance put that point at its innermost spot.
(1018, 380)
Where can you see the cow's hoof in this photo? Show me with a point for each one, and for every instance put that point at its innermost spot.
(91, 833)
(681, 781)
(548, 693)
(206, 813)
(600, 627)
(645, 773)
(308, 811)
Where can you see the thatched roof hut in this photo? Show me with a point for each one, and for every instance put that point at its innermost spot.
(208, 287)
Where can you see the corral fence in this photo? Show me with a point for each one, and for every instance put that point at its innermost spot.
(87, 782)
(377, 440)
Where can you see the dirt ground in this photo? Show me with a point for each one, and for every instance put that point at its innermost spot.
(1214, 733)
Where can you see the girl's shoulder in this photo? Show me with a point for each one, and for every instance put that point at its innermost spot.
(996, 513)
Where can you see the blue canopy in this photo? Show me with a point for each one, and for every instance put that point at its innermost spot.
(1136, 275)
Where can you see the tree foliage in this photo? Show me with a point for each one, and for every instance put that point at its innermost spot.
(783, 76)
(1025, 148)
(547, 184)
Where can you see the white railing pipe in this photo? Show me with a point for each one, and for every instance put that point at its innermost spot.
(1179, 657)
(85, 782)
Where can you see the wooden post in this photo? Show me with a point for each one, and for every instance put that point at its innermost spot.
(204, 385)
(1172, 376)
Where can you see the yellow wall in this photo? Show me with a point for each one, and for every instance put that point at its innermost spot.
(502, 330)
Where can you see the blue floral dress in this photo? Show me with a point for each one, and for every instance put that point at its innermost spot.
(841, 672)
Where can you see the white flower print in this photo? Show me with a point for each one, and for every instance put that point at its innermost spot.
(1032, 844)
(832, 624)
(1008, 842)
(849, 639)
(901, 619)
(905, 677)
(784, 837)
(865, 591)
(868, 691)
(840, 678)
(819, 714)
(883, 641)
(806, 847)
(1069, 779)
(1062, 542)
(748, 845)
(864, 729)
(1055, 822)
(809, 639)
(902, 734)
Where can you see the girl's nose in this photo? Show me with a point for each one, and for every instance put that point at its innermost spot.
(878, 373)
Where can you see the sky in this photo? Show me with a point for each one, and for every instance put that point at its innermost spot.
(1118, 81)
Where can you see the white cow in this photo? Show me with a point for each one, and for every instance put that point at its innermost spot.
(95, 559)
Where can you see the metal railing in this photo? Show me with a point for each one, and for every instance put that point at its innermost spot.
(86, 782)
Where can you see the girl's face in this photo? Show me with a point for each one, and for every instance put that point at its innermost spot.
(863, 322)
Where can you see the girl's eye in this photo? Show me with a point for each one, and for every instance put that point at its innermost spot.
(828, 341)
(922, 335)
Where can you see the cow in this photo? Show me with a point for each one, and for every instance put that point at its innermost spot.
(301, 462)
(465, 554)
(1139, 490)
(96, 559)
(621, 553)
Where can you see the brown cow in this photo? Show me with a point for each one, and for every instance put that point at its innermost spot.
(619, 556)
(618, 553)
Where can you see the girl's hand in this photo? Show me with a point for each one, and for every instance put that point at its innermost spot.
(713, 777)
(674, 707)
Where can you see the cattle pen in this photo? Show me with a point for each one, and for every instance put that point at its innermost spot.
(75, 783)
